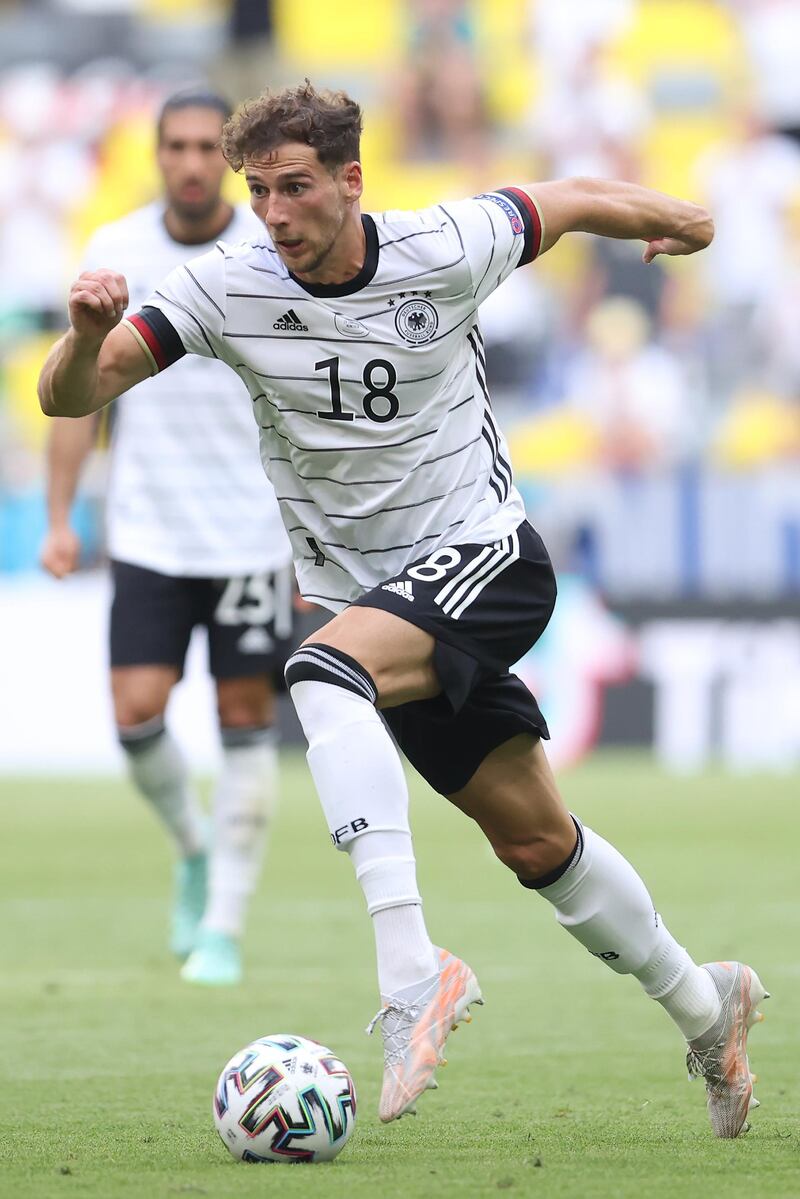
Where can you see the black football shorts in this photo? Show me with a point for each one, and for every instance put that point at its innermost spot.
(485, 605)
(248, 618)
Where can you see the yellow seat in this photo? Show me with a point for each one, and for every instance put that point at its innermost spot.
(678, 35)
(324, 33)
(510, 73)
(556, 441)
(758, 428)
(21, 372)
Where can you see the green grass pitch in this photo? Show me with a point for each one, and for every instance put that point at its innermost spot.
(569, 1082)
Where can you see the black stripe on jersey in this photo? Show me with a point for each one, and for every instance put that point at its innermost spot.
(295, 499)
(262, 395)
(531, 222)
(479, 350)
(301, 411)
(501, 468)
(366, 316)
(406, 236)
(494, 246)
(354, 448)
(452, 407)
(455, 226)
(166, 335)
(390, 549)
(347, 449)
(373, 341)
(189, 313)
(460, 404)
(432, 270)
(480, 360)
(253, 295)
(199, 285)
(373, 482)
(267, 270)
(482, 351)
(469, 317)
(316, 378)
(494, 486)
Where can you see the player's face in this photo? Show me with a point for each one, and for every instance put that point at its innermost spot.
(305, 207)
(191, 162)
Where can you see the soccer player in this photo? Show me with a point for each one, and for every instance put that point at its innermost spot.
(358, 337)
(195, 538)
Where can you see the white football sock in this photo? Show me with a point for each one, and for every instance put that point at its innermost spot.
(242, 807)
(693, 1002)
(602, 902)
(362, 788)
(157, 768)
(387, 872)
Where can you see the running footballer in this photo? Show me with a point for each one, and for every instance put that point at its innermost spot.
(358, 338)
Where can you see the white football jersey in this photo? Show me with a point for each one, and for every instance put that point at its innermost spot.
(187, 493)
(376, 426)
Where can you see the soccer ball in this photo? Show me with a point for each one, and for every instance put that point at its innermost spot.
(284, 1099)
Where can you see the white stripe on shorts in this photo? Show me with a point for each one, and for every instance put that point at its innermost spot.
(511, 556)
(499, 551)
(472, 566)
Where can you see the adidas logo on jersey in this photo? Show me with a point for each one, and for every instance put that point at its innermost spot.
(290, 323)
(403, 588)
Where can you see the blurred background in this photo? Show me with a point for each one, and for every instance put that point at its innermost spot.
(653, 412)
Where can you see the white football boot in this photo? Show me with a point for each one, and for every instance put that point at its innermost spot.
(414, 1034)
(720, 1055)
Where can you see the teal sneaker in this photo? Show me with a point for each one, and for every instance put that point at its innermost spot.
(189, 903)
(216, 961)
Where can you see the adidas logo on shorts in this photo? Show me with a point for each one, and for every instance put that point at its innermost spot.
(403, 588)
(255, 640)
(290, 323)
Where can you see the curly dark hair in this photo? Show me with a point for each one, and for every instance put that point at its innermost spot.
(328, 121)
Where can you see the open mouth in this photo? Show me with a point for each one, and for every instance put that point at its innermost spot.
(292, 248)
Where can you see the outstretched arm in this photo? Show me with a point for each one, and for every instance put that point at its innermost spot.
(68, 446)
(95, 361)
(624, 210)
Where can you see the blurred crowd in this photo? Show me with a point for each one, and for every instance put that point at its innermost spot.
(597, 360)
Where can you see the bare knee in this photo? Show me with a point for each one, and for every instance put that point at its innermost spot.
(514, 798)
(245, 702)
(140, 693)
(536, 855)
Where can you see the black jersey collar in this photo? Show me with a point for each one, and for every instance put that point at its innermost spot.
(364, 276)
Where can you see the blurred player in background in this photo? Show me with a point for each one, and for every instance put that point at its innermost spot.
(359, 340)
(195, 538)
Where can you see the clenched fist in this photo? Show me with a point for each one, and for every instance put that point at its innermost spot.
(61, 551)
(97, 301)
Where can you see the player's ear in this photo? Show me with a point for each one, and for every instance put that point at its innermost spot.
(353, 181)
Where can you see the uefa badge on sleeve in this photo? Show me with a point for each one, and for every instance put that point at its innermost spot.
(416, 321)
